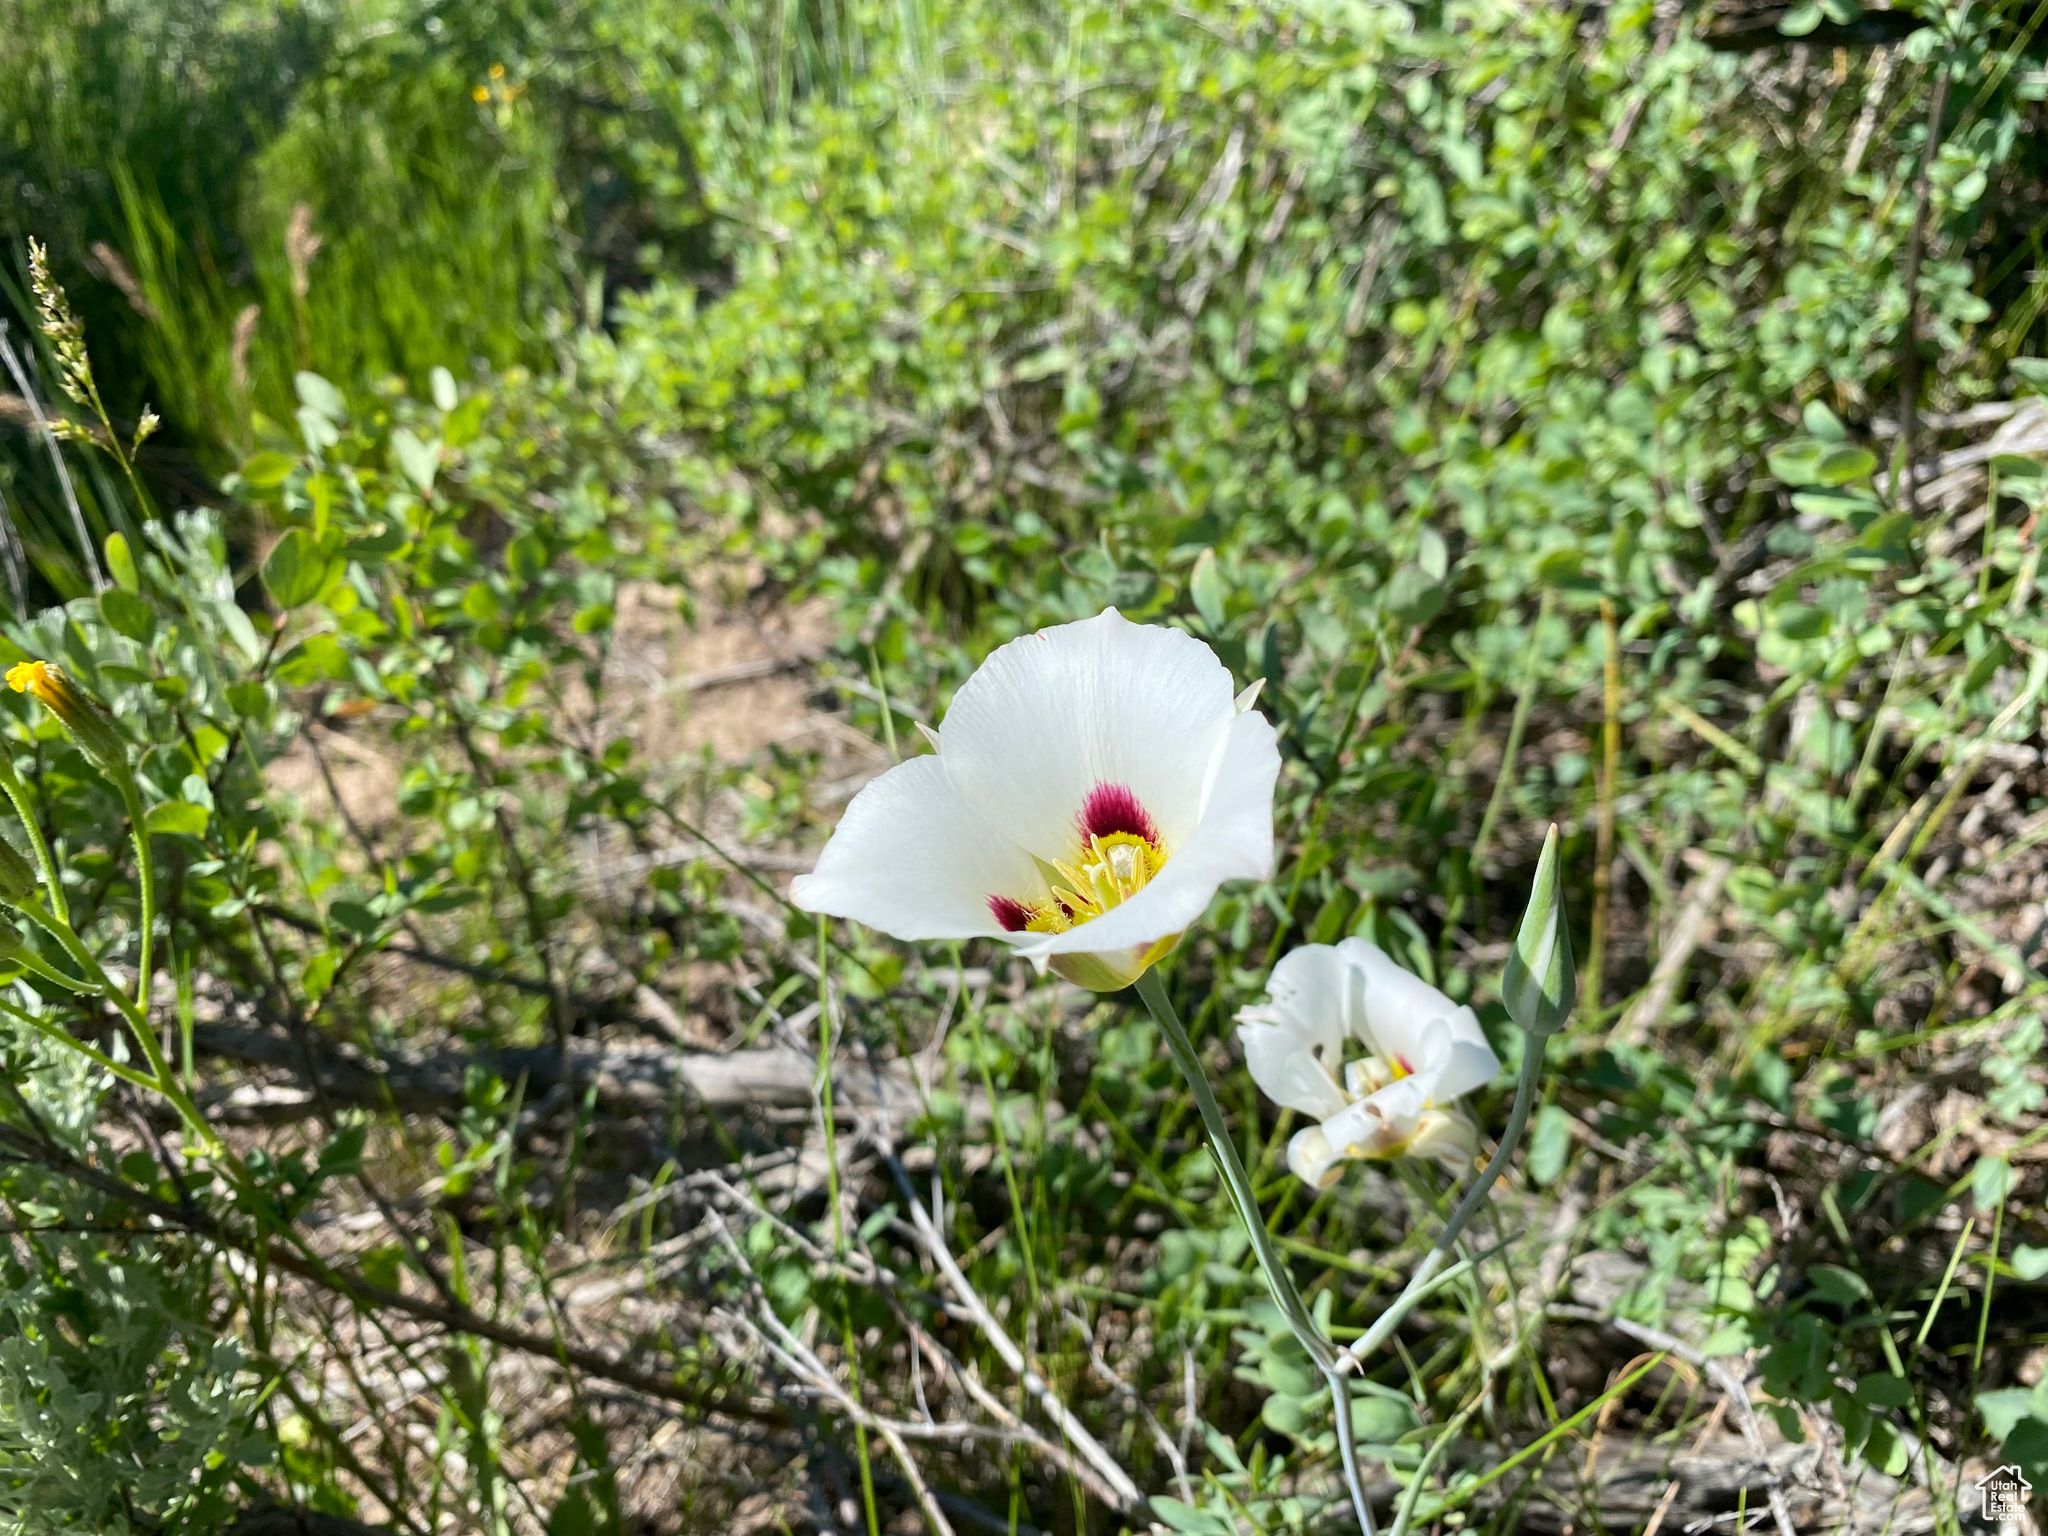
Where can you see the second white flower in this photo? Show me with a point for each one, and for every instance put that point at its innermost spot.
(1397, 1096)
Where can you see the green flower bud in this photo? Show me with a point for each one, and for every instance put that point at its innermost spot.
(1540, 984)
(17, 875)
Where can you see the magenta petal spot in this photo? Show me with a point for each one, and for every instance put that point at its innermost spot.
(1011, 914)
(1112, 808)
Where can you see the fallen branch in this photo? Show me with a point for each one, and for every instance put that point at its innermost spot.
(859, 1267)
(281, 1520)
(1624, 1485)
(1723, 1376)
(627, 1082)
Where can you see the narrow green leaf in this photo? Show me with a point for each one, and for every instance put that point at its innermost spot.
(121, 562)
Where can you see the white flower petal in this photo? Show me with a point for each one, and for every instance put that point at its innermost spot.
(1319, 985)
(1447, 1136)
(1294, 1045)
(1447, 1064)
(1312, 1159)
(911, 859)
(1465, 1061)
(1380, 1123)
(1051, 715)
(1288, 1063)
(1399, 1005)
(1233, 841)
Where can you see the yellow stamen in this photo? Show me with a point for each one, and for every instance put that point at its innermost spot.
(1110, 871)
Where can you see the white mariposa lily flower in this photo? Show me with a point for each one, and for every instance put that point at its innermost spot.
(1094, 783)
(1421, 1052)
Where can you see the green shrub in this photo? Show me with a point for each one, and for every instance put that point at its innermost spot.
(1516, 392)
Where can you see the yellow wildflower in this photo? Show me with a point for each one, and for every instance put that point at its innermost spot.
(83, 716)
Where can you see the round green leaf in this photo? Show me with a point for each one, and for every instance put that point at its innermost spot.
(317, 394)
(1289, 1378)
(1379, 1419)
(417, 461)
(1176, 1516)
(1414, 597)
(1843, 463)
(1823, 423)
(1797, 463)
(294, 570)
(121, 563)
(1288, 1415)
(1206, 588)
(1990, 1182)
(1883, 1390)
(354, 916)
(128, 614)
(1800, 621)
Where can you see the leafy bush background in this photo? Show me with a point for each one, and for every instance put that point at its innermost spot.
(1423, 359)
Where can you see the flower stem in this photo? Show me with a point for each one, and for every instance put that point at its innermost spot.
(1325, 1355)
(70, 1042)
(1347, 1444)
(136, 1020)
(829, 1122)
(1610, 771)
(10, 781)
(145, 877)
(1510, 1138)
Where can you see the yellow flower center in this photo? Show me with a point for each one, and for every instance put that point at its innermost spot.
(1365, 1075)
(1110, 871)
(1120, 850)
